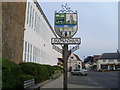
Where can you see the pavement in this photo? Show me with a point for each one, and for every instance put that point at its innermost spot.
(58, 83)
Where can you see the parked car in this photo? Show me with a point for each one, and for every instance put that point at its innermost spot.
(79, 72)
(84, 71)
(118, 69)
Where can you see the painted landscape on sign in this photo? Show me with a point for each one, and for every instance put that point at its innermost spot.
(65, 24)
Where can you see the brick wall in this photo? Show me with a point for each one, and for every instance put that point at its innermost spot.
(13, 21)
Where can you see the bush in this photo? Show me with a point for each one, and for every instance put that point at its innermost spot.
(32, 69)
(26, 77)
(29, 68)
(40, 72)
(57, 68)
(50, 70)
(13, 75)
(10, 74)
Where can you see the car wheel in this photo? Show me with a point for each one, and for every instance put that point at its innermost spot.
(81, 74)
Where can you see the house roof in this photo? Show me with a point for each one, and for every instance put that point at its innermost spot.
(96, 57)
(77, 57)
(110, 56)
(60, 60)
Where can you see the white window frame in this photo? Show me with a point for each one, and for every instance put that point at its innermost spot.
(104, 60)
(25, 52)
(28, 12)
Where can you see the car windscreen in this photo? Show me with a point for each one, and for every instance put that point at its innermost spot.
(76, 70)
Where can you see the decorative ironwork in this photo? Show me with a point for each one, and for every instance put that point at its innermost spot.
(66, 9)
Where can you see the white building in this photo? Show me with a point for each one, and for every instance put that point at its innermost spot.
(108, 61)
(37, 37)
(88, 66)
(74, 61)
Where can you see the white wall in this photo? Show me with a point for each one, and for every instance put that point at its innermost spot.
(40, 39)
(100, 61)
(74, 61)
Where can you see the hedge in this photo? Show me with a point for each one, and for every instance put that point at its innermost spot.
(40, 72)
(10, 74)
(26, 77)
(13, 75)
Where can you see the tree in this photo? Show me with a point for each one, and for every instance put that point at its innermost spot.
(88, 59)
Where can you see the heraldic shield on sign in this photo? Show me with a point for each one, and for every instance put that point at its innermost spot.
(66, 24)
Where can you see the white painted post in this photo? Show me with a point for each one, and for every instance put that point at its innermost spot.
(113, 67)
(108, 67)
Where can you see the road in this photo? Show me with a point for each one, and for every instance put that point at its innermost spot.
(101, 80)
(95, 80)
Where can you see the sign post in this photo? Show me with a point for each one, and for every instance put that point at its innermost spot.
(66, 25)
(65, 58)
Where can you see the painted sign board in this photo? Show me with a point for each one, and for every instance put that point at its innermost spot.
(65, 40)
(66, 24)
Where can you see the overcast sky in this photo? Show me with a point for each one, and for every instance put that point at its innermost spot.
(97, 25)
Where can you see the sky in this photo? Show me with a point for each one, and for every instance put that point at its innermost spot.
(97, 25)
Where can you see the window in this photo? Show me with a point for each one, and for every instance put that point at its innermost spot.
(111, 60)
(35, 22)
(25, 46)
(33, 19)
(61, 32)
(104, 60)
(25, 53)
(28, 53)
(118, 60)
(31, 53)
(70, 33)
(39, 26)
(72, 57)
(42, 29)
(28, 12)
(36, 53)
(41, 53)
(30, 15)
